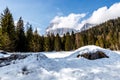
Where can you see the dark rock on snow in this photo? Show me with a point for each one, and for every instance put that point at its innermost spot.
(7, 60)
(93, 56)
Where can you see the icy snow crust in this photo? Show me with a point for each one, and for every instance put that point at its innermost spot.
(64, 66)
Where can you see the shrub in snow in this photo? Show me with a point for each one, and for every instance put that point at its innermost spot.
(93, 56)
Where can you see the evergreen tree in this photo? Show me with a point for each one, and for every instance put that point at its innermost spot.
(68, 42)
(4, 41)
(52, 38)
(36, 42)
(8, 27)
(7, 24)
(47, 43)
(63, 42)
(73, 40)
(29, 38)
(41, 43)
(57, 43)
(20, 38)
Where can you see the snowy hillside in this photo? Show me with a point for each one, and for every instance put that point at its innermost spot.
(63, 66)
(54, 29)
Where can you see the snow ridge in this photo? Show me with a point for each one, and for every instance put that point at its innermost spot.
(41, 66)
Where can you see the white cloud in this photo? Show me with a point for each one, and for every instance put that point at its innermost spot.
(98, 16)
(103, 14)
(69, 21)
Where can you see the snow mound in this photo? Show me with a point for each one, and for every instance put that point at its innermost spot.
(89, 49)
(38, 66)
(3, 54)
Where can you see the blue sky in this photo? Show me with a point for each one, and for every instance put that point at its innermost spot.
(40, 12)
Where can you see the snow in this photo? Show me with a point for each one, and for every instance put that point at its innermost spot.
(4, 55)
(58, 54)
(64, 66)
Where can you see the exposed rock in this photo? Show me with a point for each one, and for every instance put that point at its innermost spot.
(7, 60)
(93, 56)
(3, 52)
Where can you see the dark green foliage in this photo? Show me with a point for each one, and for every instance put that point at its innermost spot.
(5, 42)
(29, 38)
(7, 24)
(47, 43)
(20, 38)
(106, 35)
(63, 42)
(52, 37)
(8, 27)
(14, 38)
(68, 42)
(36, 42)
(73, 45)
(57, 43)
(41, 43)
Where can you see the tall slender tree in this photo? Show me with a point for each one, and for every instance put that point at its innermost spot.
(29, 37)
(8, 28)
(47, 43)
(7, 23)
(57, 43)
(36, 42)
(73, 40)
(20, 38)
(68, 42)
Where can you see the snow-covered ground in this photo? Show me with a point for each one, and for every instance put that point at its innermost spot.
(64, 66)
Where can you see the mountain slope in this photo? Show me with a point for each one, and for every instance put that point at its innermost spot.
(53, 29)
(60, 31)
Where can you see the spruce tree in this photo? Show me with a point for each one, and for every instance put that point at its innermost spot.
(73, 40)
(36, 42)
(57, 43)
(68, 42)
(47, 43)
(20, 38)
(7, 23)
(8, 28)
(52, 38)
(29, 38)
(63, 42)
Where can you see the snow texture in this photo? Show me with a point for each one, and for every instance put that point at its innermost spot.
(64, 66)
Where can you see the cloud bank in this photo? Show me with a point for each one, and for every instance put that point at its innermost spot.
(103, 14)
(69, 21)
(98, 16)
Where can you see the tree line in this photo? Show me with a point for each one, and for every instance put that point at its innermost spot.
(106, 35)
(14, 38)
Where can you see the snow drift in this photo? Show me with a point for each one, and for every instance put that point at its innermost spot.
(40, 66)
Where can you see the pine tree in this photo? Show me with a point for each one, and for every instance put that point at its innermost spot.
(52, 38)
(36, 42)
(63, 42)
(4, 41)
(29, 38)
(47, 43)
(20, 38)
(68, 42)
(7, 23)
(41, 43)
(8, 27)
(57, 43)
(73, 40)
